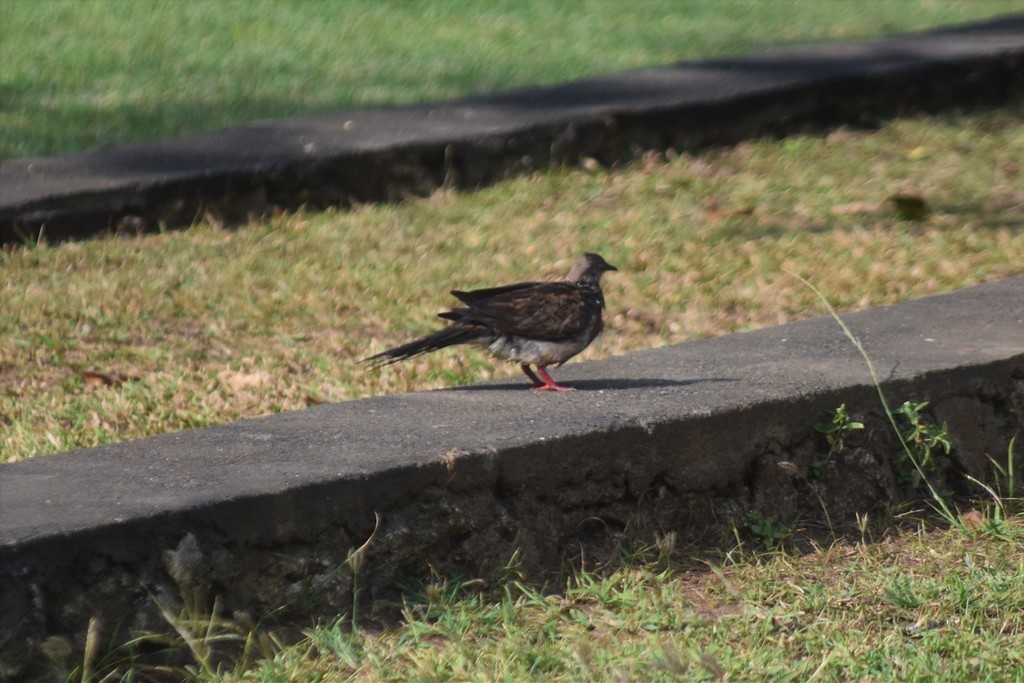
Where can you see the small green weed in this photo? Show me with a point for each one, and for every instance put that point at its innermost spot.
(924, 439)
(838, 425)
(927, 436)
(770, 532)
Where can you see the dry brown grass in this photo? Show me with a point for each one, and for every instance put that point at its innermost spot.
(207, 326)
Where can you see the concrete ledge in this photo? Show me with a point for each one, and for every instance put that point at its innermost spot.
(379, 154)
(687, 439)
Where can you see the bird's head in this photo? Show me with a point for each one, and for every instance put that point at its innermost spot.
(588, 269)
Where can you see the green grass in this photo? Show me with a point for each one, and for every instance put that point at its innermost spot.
(117, 338)
(81, 73)
(207, 326)
(919, 605)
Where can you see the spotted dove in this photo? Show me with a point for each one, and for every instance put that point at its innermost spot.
(531, 323)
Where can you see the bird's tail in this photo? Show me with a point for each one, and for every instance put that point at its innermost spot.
(449, 336)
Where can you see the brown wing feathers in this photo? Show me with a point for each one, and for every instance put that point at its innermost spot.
(544, 310)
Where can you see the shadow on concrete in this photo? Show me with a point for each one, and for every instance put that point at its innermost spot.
(599, 384)
(388, 153)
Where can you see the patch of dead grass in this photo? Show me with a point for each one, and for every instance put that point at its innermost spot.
(702, 243)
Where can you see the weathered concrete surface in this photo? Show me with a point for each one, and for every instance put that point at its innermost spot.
(687, 438)
(378, 154)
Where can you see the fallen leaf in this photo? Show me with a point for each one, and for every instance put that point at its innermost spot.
(972, 519)
(105, 378)
(917, 153)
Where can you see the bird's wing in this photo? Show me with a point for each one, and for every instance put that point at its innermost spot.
(471, 297)
(545, 310)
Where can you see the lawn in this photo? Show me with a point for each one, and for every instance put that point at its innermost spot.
(110, 339)
(918, 606)
(82, 73)
(116, 338)
(915, 605)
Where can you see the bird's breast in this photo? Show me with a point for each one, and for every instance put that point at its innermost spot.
(535, 351)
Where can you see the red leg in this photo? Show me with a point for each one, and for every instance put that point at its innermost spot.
(529, 373)
(549, 384)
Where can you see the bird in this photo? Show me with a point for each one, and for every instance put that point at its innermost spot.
(532, 323)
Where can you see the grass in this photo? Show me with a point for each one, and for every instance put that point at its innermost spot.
(921, 606)
(116, 338)
(918, 605)
(82, 73)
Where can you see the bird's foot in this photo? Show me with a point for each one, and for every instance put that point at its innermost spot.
(533, 377)
(548, 384)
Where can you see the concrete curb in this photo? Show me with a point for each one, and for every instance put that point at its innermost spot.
(379, 154)
(685, 439)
